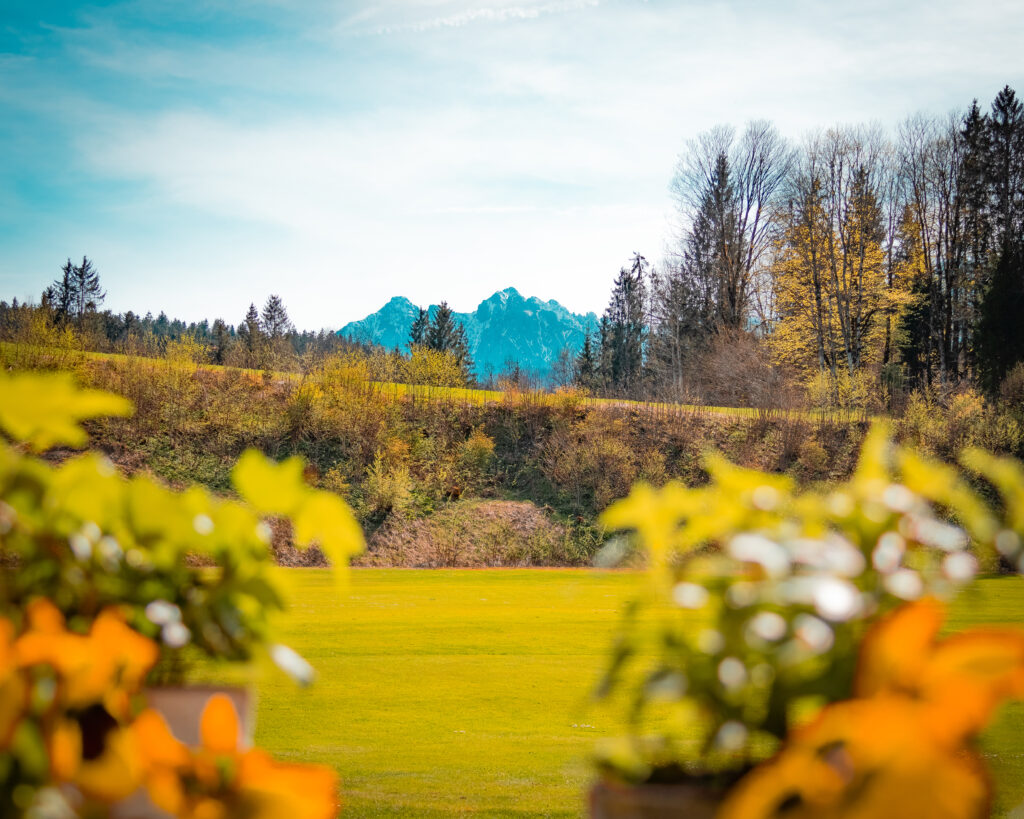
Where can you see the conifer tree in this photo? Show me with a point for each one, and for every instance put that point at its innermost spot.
(221, 341)
(440, 334)
(586, 364)
(274, 319)
(623, 328)
(420, 325)
(88, 294)
(60, 296)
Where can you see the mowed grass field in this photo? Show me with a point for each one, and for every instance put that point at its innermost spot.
(465, 692)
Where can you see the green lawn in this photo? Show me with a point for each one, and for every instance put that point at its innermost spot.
(447, 692)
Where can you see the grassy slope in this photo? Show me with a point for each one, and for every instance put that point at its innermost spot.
(445, 692)
(464, 395)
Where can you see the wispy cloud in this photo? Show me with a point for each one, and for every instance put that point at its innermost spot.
(404, 17)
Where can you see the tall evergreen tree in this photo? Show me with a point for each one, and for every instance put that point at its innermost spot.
(420, 325)
(221, 341)
(1006, 166)
(274, 319)
(60, 296)
(250, 330)
(446, 335)
(586, 364)
(1001, 329)
(88, 294)
(624, 330)
(440, 334)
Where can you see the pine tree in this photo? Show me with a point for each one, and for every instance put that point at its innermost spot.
(445, 335)
(623, 328)
(88, 295)
(420, 325)
(221, 341)
(251, 332)
(586, 364)
(1001, 329)
(440, 334)
(1006, 166)
(60, 296)
(275, 322)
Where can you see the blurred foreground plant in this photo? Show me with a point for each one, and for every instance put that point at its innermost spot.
(758, 597)
(102, 578)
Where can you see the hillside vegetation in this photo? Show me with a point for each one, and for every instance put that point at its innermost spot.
(452, 477)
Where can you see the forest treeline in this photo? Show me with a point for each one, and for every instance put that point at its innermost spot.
(851, 268)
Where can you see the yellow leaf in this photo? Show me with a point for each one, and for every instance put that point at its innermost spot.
(325, 519)
(270, 488)
(44, 410)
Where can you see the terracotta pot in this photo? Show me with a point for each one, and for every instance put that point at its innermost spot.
(611, 800)
(182, 708)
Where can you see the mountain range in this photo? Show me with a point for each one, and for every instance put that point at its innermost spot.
(504, 328)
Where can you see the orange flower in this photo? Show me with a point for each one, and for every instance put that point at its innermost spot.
(219, 779)
(106, 666)
(901, 749)
(13, 688)
(96, 675)
(92, 752)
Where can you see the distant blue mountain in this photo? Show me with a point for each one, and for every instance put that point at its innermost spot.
(504, 328)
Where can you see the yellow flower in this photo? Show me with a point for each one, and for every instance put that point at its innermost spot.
(219, 779)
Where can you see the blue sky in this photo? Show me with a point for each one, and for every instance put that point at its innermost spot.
(207, 153)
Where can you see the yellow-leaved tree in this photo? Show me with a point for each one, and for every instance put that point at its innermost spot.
(836, 286)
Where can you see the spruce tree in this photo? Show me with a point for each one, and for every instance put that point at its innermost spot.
(420, 325)
(221, 341)
(88, 295)
(440, 334)
(623, 328)
(275, 322)
(60, 296)
(586, 364)
(1001, 329)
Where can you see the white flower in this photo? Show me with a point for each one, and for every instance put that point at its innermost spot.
(960, 566)
(836, 600)
(767, 625)
(816, 635)
(689, 595)
(888, 553)
(175, 635)
(905, 584)
(732, 673)
(161, 612)
(750, 548)
(731, 736)
(292, 663)
(81, 546)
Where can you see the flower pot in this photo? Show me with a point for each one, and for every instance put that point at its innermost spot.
(182, 707)
(612, 800)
